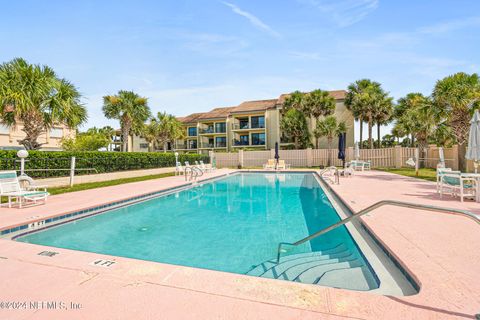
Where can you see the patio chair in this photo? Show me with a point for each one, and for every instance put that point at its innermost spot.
(282, 165)
(10, 187)
(357, 165)
(207, 166)
(179, 169)
(202, 166)
(270, 164)
(367, 165)
(348, 171)
(440, 173)
(464, 187)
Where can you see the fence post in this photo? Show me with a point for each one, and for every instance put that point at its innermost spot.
(240, 158)
(350, 154)
(417, 160)
(309, 153)
(397, 156)
(272, 153)
(72, 171)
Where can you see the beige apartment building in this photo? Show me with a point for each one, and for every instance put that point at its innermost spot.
(253, 125)
(9, 137)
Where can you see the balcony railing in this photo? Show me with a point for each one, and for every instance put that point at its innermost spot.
(211, 130)
(183, 146)
(214, 145)
(247, 143)
(221, 145)
(242, 126)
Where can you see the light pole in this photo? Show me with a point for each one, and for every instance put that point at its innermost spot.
(22, 154)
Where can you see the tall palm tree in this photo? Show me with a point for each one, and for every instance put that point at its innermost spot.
(383, 113)
(163, 129)
(319, 104)
(458, 95)
(359, 98)
(37, 97)
(329, 127)
(131, 109)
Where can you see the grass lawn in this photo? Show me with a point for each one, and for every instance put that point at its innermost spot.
(425, 173)
(93, 185)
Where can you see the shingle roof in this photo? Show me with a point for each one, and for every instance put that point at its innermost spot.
(247, 106)
(216, 113)
(336, 94)
(190, 118)
(258, 105)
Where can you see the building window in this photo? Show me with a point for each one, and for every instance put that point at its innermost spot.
(192, 131)
(220, 142)
(220, 127)
(4, 129)
(56, 133)
(258, 122)
(243, 123)
(143, 145)
(244, 140)
(258, 139)
(192, 144)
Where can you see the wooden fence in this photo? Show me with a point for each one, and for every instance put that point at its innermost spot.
(395, 157)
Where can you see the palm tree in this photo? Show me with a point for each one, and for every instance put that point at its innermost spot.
(383, 114)
(295, 100)
(294, 126)
(329, 127)
(131, 109)
(359, 98)
(34, 95)
(457, 96)
(163, 129)
(319, 104)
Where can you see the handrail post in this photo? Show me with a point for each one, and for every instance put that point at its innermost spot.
(72, 171)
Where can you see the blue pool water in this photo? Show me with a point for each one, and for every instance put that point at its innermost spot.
(231, 224)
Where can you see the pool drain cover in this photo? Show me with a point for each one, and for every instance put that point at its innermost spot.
(48, 253)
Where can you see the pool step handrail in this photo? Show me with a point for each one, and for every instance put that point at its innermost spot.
(475, 217)
(195, 172)
(336, 174)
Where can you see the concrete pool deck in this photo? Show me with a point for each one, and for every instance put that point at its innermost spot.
(440, 251)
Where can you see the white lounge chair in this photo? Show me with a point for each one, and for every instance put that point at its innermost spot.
(282, 165)
(348, 171)
(441, 172)
(10, 188)
(202, 166)
(269, 165)
(209, 167)
(464, 187)
(179, 169)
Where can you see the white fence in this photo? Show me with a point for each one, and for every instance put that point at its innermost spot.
(386, 157)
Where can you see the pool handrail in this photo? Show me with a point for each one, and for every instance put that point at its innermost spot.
(475, 217)
(336, 174)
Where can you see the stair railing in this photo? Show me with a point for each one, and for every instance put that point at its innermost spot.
(464, 213)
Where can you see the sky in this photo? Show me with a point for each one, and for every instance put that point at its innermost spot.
(194, 55)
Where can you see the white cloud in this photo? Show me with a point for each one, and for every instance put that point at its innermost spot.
(255, 21)
(344, 13)
(452, 25)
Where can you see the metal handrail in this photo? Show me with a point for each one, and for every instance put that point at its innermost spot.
(465, 213)
(336, 174)
(195, 172)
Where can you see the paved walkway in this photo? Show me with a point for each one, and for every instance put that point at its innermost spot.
(441, 251)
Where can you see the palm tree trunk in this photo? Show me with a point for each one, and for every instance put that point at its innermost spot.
(413, 140)
(370, 133)
(329, 162)
(125, 134)
(295, 142)
(378, 135)
(361, 133)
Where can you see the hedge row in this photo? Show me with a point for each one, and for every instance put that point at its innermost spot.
(57, 163)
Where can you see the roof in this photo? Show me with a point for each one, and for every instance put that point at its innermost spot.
(247, 106)
(257, 105)
(190, 118)
(336, 94)
(216, 113)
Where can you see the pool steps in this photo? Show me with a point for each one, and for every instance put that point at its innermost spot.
(336, 267)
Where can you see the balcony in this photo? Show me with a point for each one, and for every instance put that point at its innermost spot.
(184, 146)
(207, 145)
(240, 143)
(247, 126)
(212, 131)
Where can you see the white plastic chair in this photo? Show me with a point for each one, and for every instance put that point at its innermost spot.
(10, 188)
(464, 187)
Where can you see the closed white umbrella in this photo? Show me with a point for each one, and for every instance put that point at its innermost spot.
(473, 149)
(441, 155)
(357, 151)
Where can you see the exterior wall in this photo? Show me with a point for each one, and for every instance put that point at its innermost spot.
(9, 137)
(137, 144)
(272, 121)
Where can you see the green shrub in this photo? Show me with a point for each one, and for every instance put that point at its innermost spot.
(57, 161)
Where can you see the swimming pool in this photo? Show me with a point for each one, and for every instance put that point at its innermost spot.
(232, 224)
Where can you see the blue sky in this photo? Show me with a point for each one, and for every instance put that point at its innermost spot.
(193, 55)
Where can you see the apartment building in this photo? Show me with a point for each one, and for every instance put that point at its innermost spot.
(252, 124)
(51, 140)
